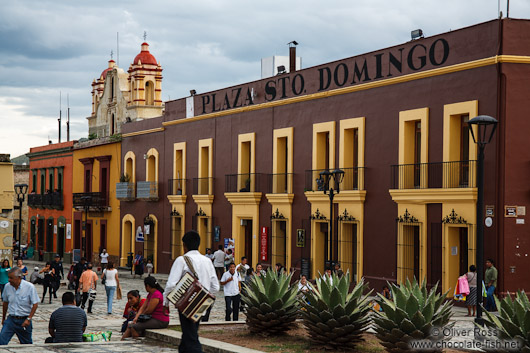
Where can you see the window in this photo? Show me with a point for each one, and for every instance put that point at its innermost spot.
(205, 180)
(51, 179)
(60, 173)
(282, 167)
(104, 177)
(413, 148)
(149, 93)
(351, 155)
(112, 124)
(130, 166)
(42, 181)
(246, 167)
(459, 151)
(323, 149)
(179, 169)
(152, 165)
(34, 182)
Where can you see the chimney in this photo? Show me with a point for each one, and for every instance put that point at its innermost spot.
(292, 58)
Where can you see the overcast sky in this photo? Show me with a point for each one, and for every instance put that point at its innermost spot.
(52, 46)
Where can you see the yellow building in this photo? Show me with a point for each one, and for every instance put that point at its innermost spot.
(6, 206)
(96, 170)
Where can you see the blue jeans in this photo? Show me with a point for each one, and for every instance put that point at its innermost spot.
(110, 294)
(14, 327)
(490, 301)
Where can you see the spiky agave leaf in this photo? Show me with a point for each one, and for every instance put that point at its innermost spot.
(411, 314)
(272, 305)
(512, 323)
(334, 317)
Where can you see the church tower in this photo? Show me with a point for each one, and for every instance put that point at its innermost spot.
(145, 86)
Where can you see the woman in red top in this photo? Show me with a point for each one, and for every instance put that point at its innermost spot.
(134, 303)
(153, 307)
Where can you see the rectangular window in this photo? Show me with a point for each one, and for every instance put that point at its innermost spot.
(204, 182)
(178, 184)
(282, 168)
(88, 177)
(43, 181)
(51, 179)
(413, 148)
(323, 150)
(351, 157)
(34, 182)
(459, 151)
(246, 180)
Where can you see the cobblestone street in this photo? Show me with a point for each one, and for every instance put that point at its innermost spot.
(99, 320)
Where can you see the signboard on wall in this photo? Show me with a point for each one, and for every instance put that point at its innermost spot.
(216, 233)
(139, 235)
(263, 243)
(300, 238)
(68, 231)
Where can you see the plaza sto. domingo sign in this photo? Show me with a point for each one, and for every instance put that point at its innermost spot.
(362, 69)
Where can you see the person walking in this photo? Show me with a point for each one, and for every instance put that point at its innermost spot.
(111, 283)
(67, 323)
(88, 285)
(206, 275)
(490, 278)
(138, 265)
(79, 268)
(219, 262)
(4, 278)
(48, 282)
(21, 301)
(230, 282)
(104, 259)
(229, 258)
(471, 300)
(59, 274)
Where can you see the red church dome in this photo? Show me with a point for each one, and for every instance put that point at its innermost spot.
(112, 63)
(145, 57)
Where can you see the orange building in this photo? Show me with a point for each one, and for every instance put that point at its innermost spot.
(50, 200)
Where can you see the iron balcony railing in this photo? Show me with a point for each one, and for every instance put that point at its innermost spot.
(446, 175)
(177, 186)
(35, 200)
(91, 199)
(125, 191)
(147, 190)
(203, 186)
(57, 200)
(248, 182)
(353, 179)
(281, 183)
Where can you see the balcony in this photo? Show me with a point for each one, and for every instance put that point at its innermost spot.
(57, 200)
(203, 186)
(47, 200)
(125, 191)
(35, 200)
(177, 186)
(249, 182)
(91, 200)
(353, 179)
(441, 175)
(280, 183)
(147, 190)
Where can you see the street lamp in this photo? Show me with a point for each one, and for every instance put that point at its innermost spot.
(20, 190)
(326, 184)
(485, 128)
(87, 201)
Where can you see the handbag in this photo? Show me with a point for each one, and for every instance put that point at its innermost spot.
(144, 317)
(92, 294)
(118, 293)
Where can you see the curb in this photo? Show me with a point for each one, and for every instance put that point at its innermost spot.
(208, 345)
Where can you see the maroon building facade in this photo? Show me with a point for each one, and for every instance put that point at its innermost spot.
(241, 164)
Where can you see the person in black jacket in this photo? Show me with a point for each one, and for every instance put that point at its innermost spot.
(57, 265)
(78, 271)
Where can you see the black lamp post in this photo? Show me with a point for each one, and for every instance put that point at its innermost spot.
(326, 182)
(20, 190)
(486, 126)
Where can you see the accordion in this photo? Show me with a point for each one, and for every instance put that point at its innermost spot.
(190, 297)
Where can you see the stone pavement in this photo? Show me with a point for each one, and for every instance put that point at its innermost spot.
(146, 346)
(99, 320)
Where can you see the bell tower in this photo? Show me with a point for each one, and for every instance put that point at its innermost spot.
(145, 86)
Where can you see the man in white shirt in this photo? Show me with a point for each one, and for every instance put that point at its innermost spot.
(230, 282)
(205, 271)
(21, 300)
(219, 261)
(242, 268)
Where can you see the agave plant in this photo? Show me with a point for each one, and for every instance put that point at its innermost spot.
(411, 314)
(334, 317)
(512, 324)
(272, 305)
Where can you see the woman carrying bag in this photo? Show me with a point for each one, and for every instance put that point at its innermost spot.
(111, 281)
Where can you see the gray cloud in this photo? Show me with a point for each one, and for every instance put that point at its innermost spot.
(57, 45)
